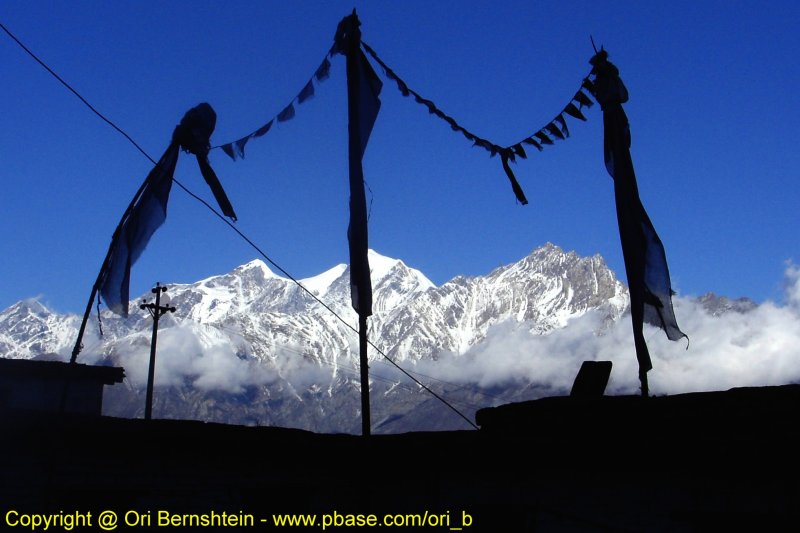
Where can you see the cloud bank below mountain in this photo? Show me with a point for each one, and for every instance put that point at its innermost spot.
(754, 348)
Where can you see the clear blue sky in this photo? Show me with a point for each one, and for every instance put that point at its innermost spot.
(713, 110)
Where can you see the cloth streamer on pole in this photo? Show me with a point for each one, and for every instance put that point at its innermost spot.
(148, 211)
(642, 249)
(192, 134)
(363, 89)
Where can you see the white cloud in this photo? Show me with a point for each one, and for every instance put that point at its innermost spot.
(760, 347)
(792, 286)
(193, 353)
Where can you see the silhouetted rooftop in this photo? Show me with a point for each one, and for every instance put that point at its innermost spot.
(695, 462)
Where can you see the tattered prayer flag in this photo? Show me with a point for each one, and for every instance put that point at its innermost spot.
(369, 104)
(564, 129)
(148, 210)
(543, 137)
(520, 151)
(131, 238)
(193, 134)
(453, 124)
(239, 145)
(582, 99)
(402, 86)
(287, 113)
(530, 140)
(323, 71)
(263, 129)
(389, 72)
(553, 129)
(363, 90)
(574, 112)
(642, 249)
(481, 143)
(228, 149)
(306, 93)
(504, 156)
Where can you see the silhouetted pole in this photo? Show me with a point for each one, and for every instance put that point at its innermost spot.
(646, 267)
(643, 381)
(156, 311)
(358, 202)
(363, 104)
(364, 364)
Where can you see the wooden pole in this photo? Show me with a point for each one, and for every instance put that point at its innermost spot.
(643, 381)
(357, 232)
(366, 426)
(148, 406)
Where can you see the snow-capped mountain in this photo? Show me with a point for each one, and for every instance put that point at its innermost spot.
(252, 347)
(29, 329)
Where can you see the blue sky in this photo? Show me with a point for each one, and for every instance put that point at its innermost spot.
(713, 111)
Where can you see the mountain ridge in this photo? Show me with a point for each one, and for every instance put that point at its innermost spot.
(250, 346)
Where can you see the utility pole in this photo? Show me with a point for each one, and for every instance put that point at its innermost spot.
(156, 309)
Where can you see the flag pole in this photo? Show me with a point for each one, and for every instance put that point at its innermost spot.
(362, 108)
(357, 203)
(643, 252)
(366, 429)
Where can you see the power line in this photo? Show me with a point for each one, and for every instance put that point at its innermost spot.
(230, 224)
(73, 91)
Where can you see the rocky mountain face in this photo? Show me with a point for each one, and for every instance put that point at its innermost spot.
(719, 305)
(250, 347)
(28, 329)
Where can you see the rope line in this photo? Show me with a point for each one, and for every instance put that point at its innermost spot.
(73, 91)
(233, 227)
(555, 128)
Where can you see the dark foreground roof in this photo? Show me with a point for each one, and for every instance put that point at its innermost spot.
(696, 462)
(14, 368)
(736, 409)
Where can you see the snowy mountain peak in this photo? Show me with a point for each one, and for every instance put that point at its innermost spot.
(258, 267)
(381, 266)
(320, 283)
(28, 329)
(30, 306)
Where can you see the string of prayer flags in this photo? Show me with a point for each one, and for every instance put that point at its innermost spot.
(433, 109)
(235, 149)
(556, 129)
